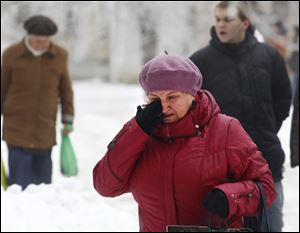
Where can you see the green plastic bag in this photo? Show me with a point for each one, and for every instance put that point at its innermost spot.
(68, 161)
(3, 175)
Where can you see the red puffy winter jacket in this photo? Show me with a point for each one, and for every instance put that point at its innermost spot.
(171, 172)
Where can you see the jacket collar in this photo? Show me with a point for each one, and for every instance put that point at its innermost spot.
(234, 49)
(23, 50)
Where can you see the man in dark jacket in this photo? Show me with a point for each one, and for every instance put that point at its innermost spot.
(250, 82)
(34, 78)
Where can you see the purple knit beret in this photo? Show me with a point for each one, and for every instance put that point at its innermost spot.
(170, 72)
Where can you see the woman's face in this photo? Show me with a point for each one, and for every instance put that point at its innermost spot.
(175, 104)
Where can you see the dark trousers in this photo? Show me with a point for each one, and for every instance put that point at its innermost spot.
(29, 166)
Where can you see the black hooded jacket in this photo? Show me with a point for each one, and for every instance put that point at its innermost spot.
(249, 81)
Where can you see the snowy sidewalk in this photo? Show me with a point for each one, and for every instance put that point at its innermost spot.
(72, 204)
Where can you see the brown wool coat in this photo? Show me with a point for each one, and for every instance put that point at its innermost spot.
(31, 88)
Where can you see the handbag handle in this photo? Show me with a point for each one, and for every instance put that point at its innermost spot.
(263, 207)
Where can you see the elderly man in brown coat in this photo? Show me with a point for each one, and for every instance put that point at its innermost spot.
(34, 79)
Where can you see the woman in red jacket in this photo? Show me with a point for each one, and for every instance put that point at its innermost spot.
(182, 159)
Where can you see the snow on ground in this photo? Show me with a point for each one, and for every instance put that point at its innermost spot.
(72, 204)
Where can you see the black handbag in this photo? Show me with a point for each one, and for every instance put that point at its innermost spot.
(209, 228)
(252, 223)
(187, 228)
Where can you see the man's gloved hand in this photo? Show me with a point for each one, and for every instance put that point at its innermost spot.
(68, 128)
(216, 202)
(149, 117)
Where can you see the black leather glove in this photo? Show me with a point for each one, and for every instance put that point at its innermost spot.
(149, 117)
(216, 202)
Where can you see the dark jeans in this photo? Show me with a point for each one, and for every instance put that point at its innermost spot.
(28, 166)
